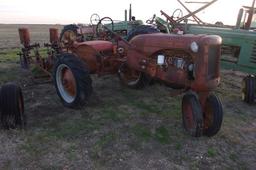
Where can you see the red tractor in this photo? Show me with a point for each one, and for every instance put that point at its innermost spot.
(11, 107)
(188, 62)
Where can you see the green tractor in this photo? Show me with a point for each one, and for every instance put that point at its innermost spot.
(92, 31)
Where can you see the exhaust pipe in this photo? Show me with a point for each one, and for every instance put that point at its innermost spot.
(125, 15)
(130, 12)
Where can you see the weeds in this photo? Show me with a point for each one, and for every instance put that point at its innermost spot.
(211, 152)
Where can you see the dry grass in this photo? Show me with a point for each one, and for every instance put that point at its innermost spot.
(10, 37)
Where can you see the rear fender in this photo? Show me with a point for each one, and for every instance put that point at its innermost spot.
(89, 55)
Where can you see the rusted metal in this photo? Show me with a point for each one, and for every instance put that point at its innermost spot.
(250, 17)
(187, 62)
(30, 53)
(54, 35)
(24, 37)
(194, 12)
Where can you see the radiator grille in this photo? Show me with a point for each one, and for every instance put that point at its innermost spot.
(213, 61)
(253, 55)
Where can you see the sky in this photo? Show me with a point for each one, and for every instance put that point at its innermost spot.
(79, 11)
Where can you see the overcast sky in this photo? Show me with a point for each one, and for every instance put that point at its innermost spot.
(79, 11)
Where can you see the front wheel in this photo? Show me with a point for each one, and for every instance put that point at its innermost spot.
(72, 81)
(192, 114)
(213, 115)
(12, 107)
(132, 78)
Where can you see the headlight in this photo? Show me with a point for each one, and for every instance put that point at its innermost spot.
(160, 59)
(194, 47)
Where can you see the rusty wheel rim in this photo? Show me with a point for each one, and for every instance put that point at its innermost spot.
(243, 91)
(208, 115)
(129, 76)
(68, 38)
(187, 110)
(66, 83)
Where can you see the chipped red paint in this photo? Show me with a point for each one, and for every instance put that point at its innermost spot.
(24, 36)
(105, 57)
(54, 35)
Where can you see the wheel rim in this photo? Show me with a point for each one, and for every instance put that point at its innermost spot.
(208, 115)
(66, 83)
(243, 90)
(190, 124)
(129, 76)
(68, 37)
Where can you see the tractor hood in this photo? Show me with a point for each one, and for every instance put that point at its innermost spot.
(151, 43)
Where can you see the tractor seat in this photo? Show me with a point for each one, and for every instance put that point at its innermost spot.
(99, 45)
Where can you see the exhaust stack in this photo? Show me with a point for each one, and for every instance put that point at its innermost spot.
(125, 15)
(130, 12)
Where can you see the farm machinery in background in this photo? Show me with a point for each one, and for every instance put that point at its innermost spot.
(87, 32)
(239, 41)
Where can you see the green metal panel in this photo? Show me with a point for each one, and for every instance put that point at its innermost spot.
(125, 25)
(244, 39)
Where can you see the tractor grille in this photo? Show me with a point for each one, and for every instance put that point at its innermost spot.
(253, 55)
(213, 61)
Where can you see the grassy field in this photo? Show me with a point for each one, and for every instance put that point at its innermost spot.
(10, 36)
(122, 128)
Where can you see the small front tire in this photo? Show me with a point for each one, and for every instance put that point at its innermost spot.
(192, 115)
(213, 115)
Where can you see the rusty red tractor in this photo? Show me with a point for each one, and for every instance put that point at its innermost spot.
(190, 63)
(11, 107)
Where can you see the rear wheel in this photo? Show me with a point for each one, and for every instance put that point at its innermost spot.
(192, 115)
(213, 115)
(72, 81)
(132, 78)
(69, 34)
(12, 107)
(249, 89)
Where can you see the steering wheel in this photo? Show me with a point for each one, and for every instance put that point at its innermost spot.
(94, 19)
(177, 13)
(104, 30)
(151, 20)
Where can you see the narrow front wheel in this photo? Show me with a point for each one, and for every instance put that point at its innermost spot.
(192, 115)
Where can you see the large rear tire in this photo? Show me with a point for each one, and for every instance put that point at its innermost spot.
(192, 115)
(72, 81)
(12, 107)
(249, 89)
(132, 78)
(213, 115)
(69, 34)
